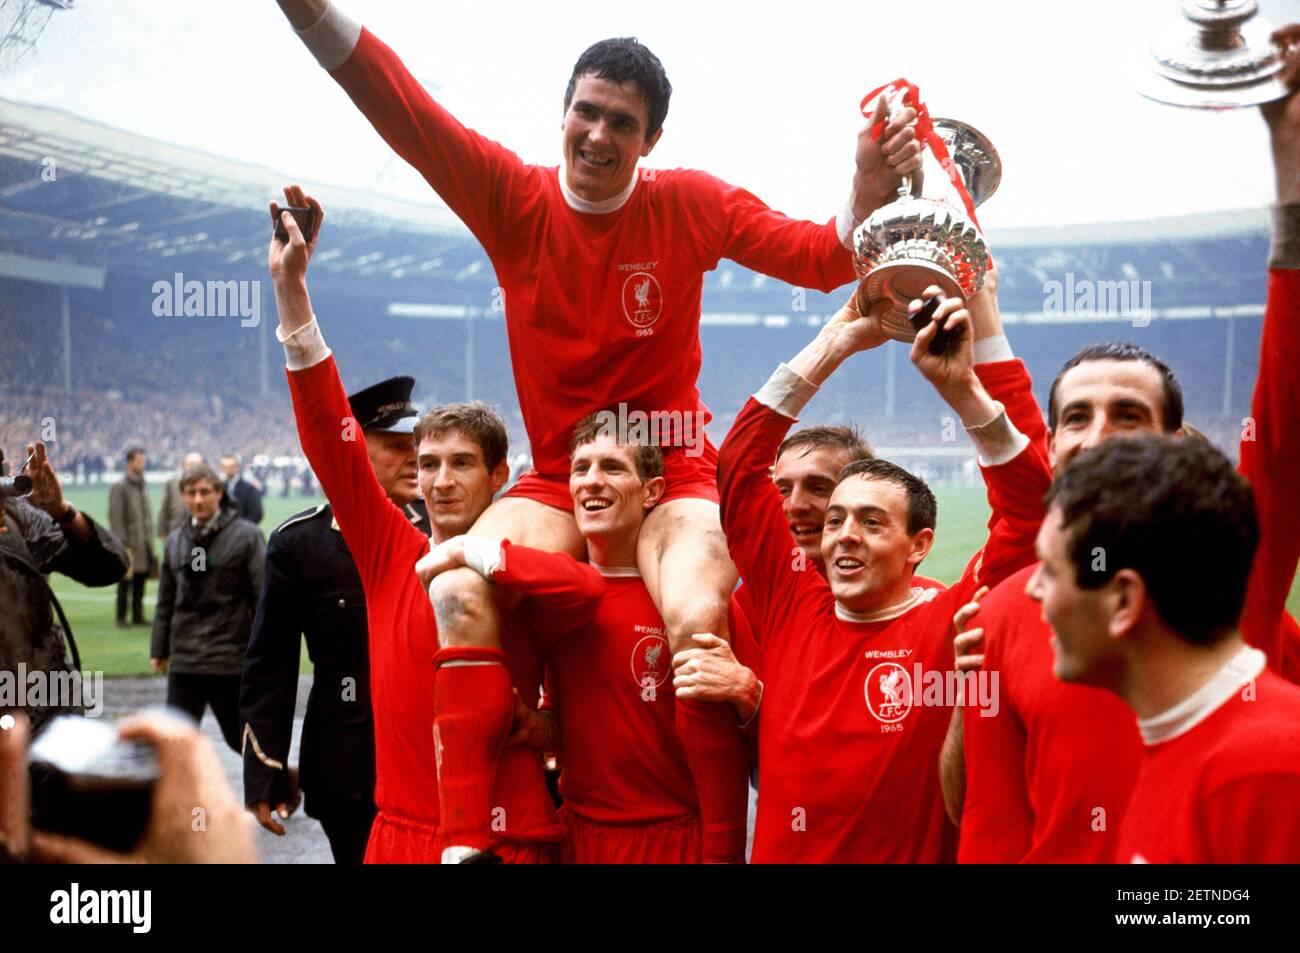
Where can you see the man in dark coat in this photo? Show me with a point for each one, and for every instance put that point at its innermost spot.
(246, 494)
(211, 577)
(129, 518)
(312, 587)
(41, 534)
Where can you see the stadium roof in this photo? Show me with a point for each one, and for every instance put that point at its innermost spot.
(82, 190)
(124, 202)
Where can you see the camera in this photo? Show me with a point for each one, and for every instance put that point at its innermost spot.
(89, 783)
(18, 485)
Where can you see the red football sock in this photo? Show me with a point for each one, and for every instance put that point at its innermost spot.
(716, 754)
(472, 713)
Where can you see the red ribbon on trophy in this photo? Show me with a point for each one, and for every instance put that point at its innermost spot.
(911, 96)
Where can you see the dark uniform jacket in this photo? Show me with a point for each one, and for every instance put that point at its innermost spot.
(33, 546)
(206, 595)
(248, 498)
(312, 588)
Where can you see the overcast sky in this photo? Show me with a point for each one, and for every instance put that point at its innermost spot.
(766, 93)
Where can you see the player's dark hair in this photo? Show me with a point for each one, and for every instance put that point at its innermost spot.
(1172, 412)
(133, 452)
(842, 437)
(476, 420)
(626, 59)
(1176, 512)
(922, 510)
(649, 458)
(198, 474)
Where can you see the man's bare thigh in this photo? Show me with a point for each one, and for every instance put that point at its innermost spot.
(528, 523)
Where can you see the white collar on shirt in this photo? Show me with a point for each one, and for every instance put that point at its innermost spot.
(579, 204)
(617, 572)
(917, 597)
(1242, 668)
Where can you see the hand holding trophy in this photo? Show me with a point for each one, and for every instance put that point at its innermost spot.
(914, 242)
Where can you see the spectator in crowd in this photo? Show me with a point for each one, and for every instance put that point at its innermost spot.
(211, 578)
(173, 512)
(41, 534)
(128, 517)
(244, 493)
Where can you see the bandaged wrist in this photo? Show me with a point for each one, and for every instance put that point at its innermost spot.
(846, 224)
(786, 392)
(998, 441)
(990, 350)
(303, 348)
(1285, 249)
(484, 556)
(332, 38)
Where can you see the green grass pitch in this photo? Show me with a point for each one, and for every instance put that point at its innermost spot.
(963, 513)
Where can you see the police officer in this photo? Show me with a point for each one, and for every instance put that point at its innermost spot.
(312, 587)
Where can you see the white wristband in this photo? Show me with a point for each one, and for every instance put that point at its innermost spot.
(846, 225)
(484, 556)
(990, 350)
(303, 348)
(786, 392)
(332, 38)
(998, 441)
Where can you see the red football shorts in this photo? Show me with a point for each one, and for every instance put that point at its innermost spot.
(675, 841)
(688, 478)
(395, 839)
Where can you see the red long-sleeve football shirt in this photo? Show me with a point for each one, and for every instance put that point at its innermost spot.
(848, 755)
(1220, 778)
(404, 639)
(1037, 774)
(601, 309)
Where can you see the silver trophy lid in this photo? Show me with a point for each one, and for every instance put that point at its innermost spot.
(1217, 56)
(973, 155)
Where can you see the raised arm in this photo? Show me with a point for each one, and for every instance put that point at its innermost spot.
(815, 255)
(758, 535)
(303, 13)
(472, 174)
(1015, 472)
(330, 436)
(1270, 452)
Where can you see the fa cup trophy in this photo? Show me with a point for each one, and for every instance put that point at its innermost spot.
(914, 242)
(1217, 56)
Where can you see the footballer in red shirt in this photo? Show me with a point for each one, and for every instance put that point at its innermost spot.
(857, 665)
(628, 793)
(602, 271)
(1146, 552)
(461, 464)
(1048, 779)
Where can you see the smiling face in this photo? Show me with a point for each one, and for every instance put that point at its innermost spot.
(604, 136)
(455, 481)
(1079, 618)
(610, 498)
(870, 556)
(1103, 399)
(806, 477)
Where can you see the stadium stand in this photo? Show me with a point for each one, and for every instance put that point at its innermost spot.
(408, 290)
